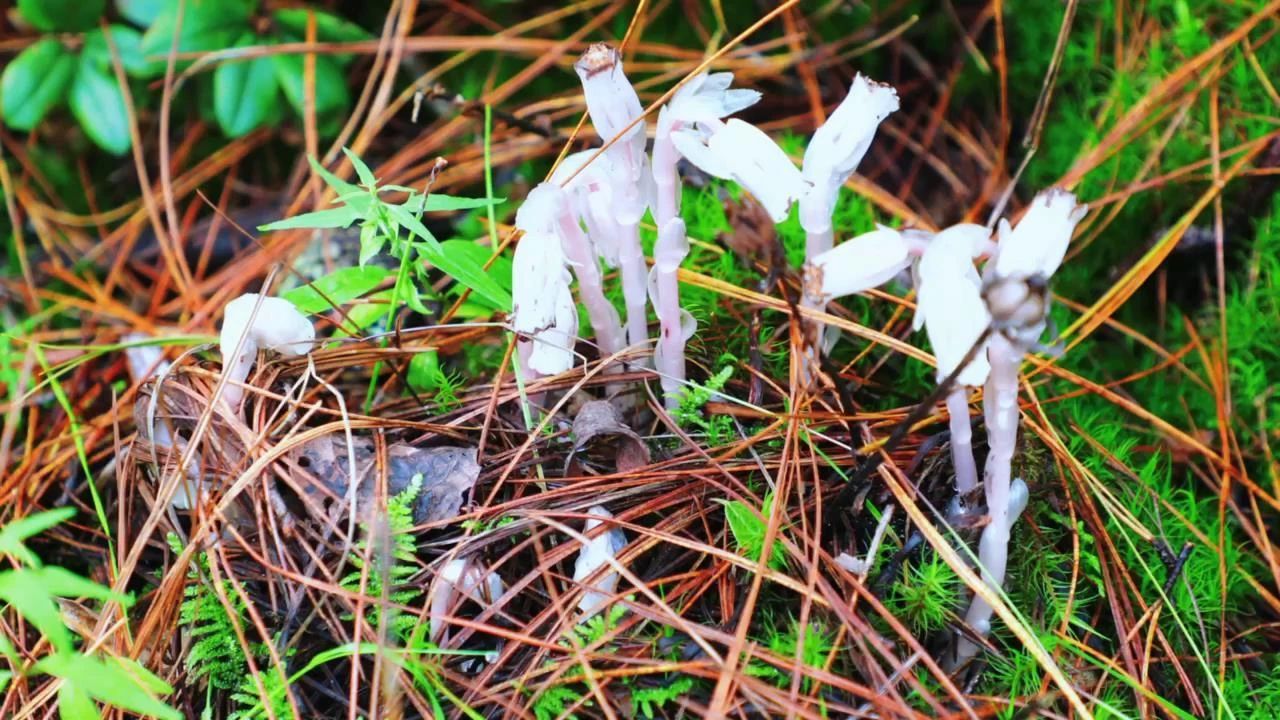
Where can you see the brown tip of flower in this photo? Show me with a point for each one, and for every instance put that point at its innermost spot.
(598, 58)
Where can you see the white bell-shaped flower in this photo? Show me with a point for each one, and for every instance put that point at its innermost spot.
(861, 263)
(1038, 243)
(594, 556)
(741, 152)
(949, 302)
(461, 579)
(252, 322)
(543, 306)
(839, 145)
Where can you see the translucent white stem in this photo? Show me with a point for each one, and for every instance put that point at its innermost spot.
(1000, 406)
(635, 274)
(962, 441)
(668, 254)
(604, 317)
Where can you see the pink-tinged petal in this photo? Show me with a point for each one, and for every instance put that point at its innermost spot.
(612, 102)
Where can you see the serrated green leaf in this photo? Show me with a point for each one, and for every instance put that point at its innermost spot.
(98, 104)
(362, 171)
(128, 44)
(245, 93)
(331, 94)
(109, 682)
(34, 83)
(329, 218)
(61, 15)
(340, 286)
(445, 203)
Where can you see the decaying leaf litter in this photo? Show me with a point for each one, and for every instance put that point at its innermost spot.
(548, 496)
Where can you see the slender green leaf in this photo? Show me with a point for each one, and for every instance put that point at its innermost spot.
(14, 533)
(345, 190)
(75, 704)
(362, 171)
(245, 92)
(61, 15)
(23, 590)
(63, 583)
(128, 44)
(445, 203)
(109, 682)
(340, 286)
(462, 265)
(98, 104)
(339, 217)
(34, 83)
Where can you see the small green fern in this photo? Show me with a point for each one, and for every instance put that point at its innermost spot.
(216, 653)
(404, 549)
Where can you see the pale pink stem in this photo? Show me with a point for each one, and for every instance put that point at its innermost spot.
(635, 282)
(1000, 406)
(604, 317)
(668, 253)
(962, 441)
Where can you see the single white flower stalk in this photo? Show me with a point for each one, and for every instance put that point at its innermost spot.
(588, 569)
(949, 306)
(741, 152)
(834, 153)
(461, 579)
(1015, 292)
(704, 100)
(543, 307)
(613, 104)
(252, 322)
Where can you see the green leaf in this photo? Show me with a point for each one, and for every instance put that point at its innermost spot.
(245, 92)
(142, 12)
(64, 583)
(460, 261)
(424, 371)
(75, 704)
(339, 217)
(329, 28)
(128, 44)
(206, 25)
(500, 269)
(98, 104)
(125, 687)
(34, 83)
(13, 534)
(23, 590)
(340, 186)
(363, 314)
(445, 203)
(362, 171)
(331, 84)
(371, 242)
(340, 286)
(61, 15)
(749, 528)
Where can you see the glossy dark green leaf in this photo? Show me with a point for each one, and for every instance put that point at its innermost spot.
(127, 687)
(128, 44)
(329, 28)
(61, 15)
(142, 12)
(98, 104)
(34, 83)
(205, 25)
(331, 94)
(337, 288)
(244, 93)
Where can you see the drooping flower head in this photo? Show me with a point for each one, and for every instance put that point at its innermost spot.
(543, 303)
(1038, 243)
(861, 263)
(838, 146)
(949, 301)
(739, 151)
(612, 102)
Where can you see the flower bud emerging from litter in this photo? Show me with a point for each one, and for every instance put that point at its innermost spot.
(252, 322)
